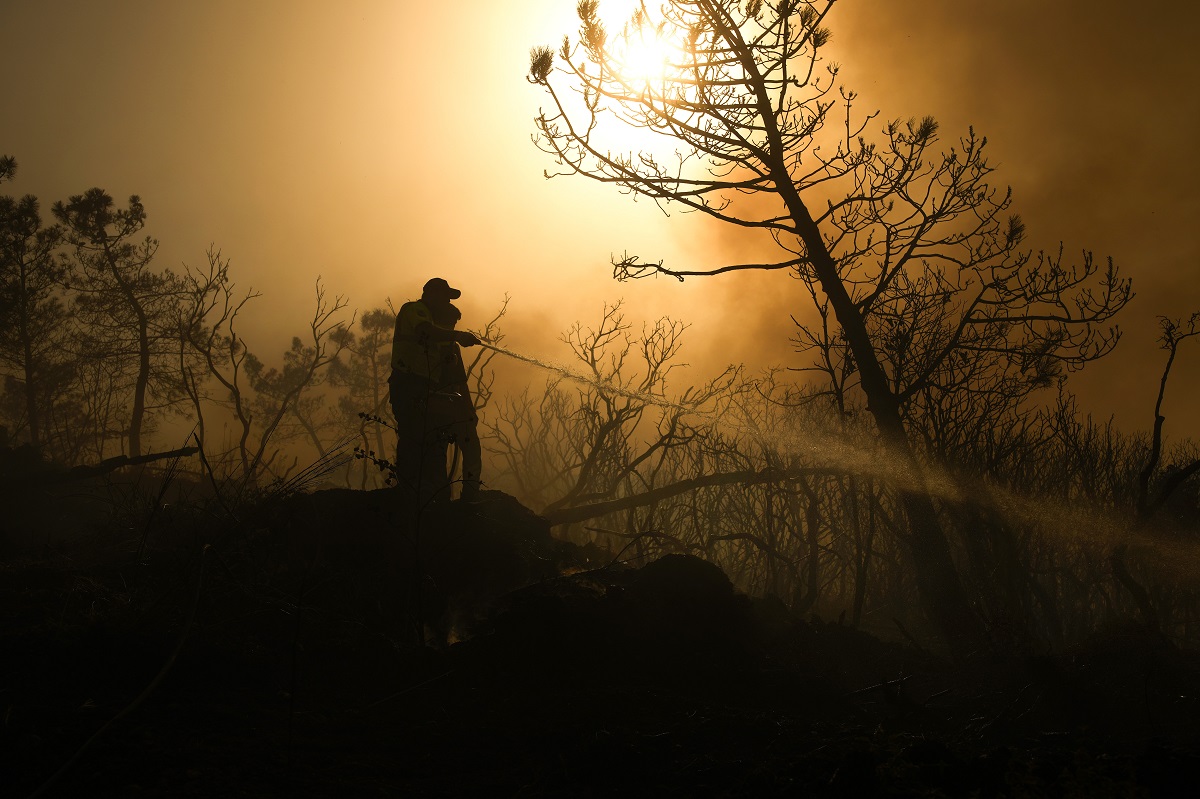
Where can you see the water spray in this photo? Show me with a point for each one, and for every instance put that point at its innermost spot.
(658, 400)
(1101, 528)
(824, 449)
(595, 381)
(813, 444)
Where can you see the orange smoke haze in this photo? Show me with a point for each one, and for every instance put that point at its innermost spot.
(377, 143)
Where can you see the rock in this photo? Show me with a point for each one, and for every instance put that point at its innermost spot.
(442, 563)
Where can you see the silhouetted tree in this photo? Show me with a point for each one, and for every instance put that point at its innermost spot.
(913, 252)
(364, 373)
(260, 398)
(209, 328)
(33, 317)
(126, 311)
(289, 398)
(1146, 502)
(1173, 333)
(361, 408)
(574, 443)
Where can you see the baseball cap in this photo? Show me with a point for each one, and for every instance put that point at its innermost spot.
(438, 287)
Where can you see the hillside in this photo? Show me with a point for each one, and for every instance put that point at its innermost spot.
(277, 654)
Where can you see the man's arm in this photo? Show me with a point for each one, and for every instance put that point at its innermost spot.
(464, 338)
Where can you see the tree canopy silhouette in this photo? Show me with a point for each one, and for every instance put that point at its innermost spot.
(910, 253)
(128, 309)
(32, 314)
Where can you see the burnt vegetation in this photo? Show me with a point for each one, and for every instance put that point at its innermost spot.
(909, 564)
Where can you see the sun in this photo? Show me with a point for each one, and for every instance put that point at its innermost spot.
(643, 59)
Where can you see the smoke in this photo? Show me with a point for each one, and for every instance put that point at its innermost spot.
(1075, 99)
(349, 145)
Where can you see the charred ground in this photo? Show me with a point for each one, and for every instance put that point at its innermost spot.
(274, 649)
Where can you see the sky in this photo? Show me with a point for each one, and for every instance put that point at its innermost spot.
(376, 143)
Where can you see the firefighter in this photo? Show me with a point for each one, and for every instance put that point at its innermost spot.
(452, 410)
(421, 387)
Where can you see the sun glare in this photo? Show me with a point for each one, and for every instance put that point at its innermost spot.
(647, 56)
(644, 59)
(641, 53)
